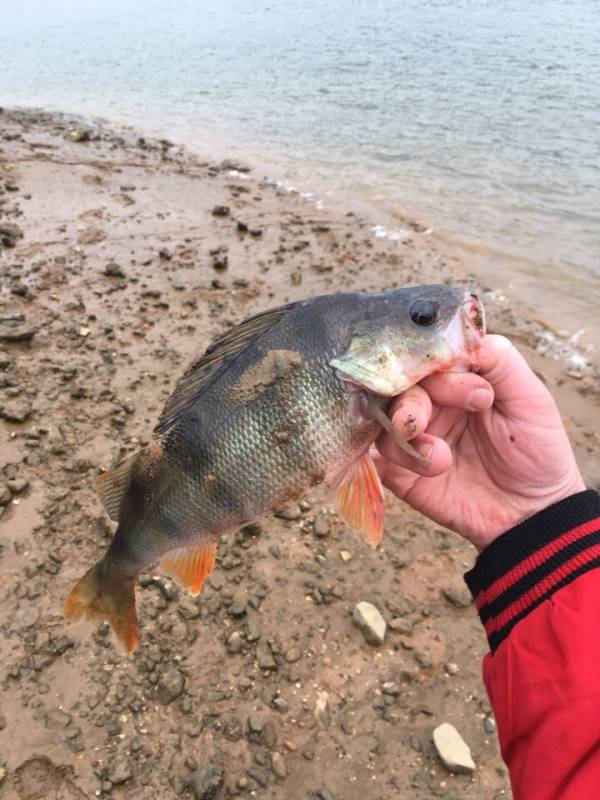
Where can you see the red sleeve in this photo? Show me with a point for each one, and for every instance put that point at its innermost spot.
(537, 590)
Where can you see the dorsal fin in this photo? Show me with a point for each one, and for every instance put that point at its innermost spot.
(219, 355)
(111, 485)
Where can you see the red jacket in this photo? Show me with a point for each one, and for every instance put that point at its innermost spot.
(537, 590)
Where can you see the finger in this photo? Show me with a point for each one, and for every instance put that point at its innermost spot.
(464, 390)
(410, 412)
(505, 369)
(437, 453)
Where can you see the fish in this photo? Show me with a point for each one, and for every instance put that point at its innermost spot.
(289, 399)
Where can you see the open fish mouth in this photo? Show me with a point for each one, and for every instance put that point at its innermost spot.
(466, 333)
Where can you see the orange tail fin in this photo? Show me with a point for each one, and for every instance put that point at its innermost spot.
(107, 594)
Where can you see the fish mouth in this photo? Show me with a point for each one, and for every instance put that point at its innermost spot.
(468, 332)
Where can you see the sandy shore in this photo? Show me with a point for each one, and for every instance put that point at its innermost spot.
(116, 268)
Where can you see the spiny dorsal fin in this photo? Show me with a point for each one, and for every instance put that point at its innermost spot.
(111, 485)
(190, 565)
(219, 355)
(360, 499)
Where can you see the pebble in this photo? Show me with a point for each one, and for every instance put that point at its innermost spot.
(292, 655)
(489, 725)
(269, 735)
(5, 494)
(255, 724)
(258, 775)
(278, 766)
(390, 688)
(15, 410)
(120, 771)
(457, 595)
(205, 782)
(292, 513)
(265, 658)
(26, 617)
(324, 794)
(453, 751)
(369, 621)
(18, 485)
(234, 643)
(114, 270)
(170, 686)
(221, 211)
(322, 526)
(280, 704)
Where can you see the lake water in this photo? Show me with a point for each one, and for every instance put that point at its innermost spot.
(481, 116)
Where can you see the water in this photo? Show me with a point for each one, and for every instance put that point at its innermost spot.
(482, 116)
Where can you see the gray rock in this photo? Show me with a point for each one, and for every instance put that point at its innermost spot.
(258, 775)
(170, 685)
(26, 617)
(255, 724)
(205, 782)
(5, 495)
(457, 595)
(114, 270)
(221, 211)
(322, 526)
(292, 513)
(453, 751)
(370, 622)
(234, 643)
(278, 766)
(265, 659)
(324, 794)
(489, 725)
(120, 771)
(15, 410)
(269, 735)
(9, 234)
(18, 485)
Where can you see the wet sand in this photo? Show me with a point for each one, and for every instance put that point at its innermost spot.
(122, 257)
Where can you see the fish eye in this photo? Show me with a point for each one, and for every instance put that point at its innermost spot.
(423, 312)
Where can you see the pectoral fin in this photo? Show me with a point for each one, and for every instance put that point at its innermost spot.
(190, 566)
(360, 499)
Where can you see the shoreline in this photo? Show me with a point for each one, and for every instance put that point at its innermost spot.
(123, 256)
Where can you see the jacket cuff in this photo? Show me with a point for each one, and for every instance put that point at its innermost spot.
(531, 561)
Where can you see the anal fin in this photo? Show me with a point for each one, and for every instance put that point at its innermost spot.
(190, 565)
(360, 499)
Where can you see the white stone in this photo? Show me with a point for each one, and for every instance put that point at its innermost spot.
(453, 751)
(369, 620)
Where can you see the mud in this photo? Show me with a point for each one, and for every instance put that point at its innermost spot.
(115, 274)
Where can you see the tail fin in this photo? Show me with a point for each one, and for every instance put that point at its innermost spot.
(106, 593)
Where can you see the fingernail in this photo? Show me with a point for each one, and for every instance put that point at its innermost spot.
(480, 399)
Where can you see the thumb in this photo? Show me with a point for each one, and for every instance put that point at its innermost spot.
(513, 380)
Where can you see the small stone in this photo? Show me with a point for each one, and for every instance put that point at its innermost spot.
(292, 655)
(322, 710)
(322, 526)
(114, 270)
(233, 165)
(324, 794)
(278, 765)
(234, 643)
(401, 625)
(452, 668)
(269, 735)
(170, 686)
(369, 620)
(453, 751)
(120, 772)
(258, 775)
(489, 725)
(221, 211)
(26, 617)
(345, 555)
(280, 704)
(205, 782)
(5, 495)
(15, 410)
(265, 659)
(458, 595)
(78, 135)
(9, 234)
(390, 688)
(18, 485)
(255, 724)
(291, 513)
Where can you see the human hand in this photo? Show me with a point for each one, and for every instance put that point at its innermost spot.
(497, 449)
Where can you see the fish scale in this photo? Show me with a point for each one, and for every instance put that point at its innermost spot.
(289, 399)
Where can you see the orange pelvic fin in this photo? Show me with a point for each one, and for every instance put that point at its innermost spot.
(360, 499)
(106, 594)
(190, 565)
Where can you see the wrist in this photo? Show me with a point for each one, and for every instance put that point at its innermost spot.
(533, 560)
